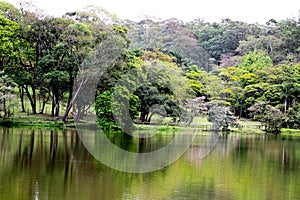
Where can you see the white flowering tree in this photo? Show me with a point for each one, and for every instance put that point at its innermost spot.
(6, 95)
(221, 117)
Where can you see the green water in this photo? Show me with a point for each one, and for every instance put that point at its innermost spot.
(49, 164)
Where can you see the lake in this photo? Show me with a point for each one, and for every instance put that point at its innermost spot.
(55, 164)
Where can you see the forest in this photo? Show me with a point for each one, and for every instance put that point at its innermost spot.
(225, 70)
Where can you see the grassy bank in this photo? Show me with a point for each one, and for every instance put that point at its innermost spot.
(290, 133)
(199, 125)
(38, 120)
(16, 123)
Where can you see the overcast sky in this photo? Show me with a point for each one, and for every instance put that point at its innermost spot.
(209, 10)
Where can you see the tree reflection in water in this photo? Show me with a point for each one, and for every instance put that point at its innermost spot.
(54, 164)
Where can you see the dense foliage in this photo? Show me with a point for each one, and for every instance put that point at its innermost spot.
(161, 66)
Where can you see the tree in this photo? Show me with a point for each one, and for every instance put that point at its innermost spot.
(116, 110)
(279, 39)
(37, 39)
(289, 30)
(103, 110)
(148, 96)
(8, 11)
(237, 80)
(215, 88)
(221, 117)
(6, 94)
(76, 46)
(11, 44)
(56, 82)
(290, 85)
(220, 39)
(94, 46)
(268, 115)
(272, 44)
(9, 41)
(170, 36)
(293, 117)
(163, 86)
(196, 81)
(61, 64)
(254, 61)
(197, 107)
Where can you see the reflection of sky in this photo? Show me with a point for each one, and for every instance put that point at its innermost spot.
(213, 10)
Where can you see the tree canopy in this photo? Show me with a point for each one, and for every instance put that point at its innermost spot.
(156, 66)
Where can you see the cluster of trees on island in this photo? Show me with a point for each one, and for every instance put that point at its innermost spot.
(176, 68)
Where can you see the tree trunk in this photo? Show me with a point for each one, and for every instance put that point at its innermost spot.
(45, 99)
(65, 117)
(4, 108)
(52, 107)
(43, 107)
(22, 98)
(57, 109)
(70, 91)
(142, 117)
(146, 117)
(241, 111)
(285, 104)
(150, 116)
(56, 105)
(32, 99)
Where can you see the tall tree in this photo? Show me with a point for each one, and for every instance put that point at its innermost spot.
(40, 37)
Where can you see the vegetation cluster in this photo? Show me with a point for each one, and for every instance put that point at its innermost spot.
(149, 69)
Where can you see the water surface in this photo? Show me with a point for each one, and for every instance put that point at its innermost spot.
(51, 164)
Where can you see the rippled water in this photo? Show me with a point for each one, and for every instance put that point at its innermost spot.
(50, 164)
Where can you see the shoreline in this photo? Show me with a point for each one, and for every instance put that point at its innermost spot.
(162, 128)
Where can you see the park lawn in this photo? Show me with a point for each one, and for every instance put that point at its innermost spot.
(290, 133)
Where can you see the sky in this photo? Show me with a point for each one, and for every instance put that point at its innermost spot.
(210, 10)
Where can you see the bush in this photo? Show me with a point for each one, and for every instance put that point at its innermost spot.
(116, 111)
(271, 117)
